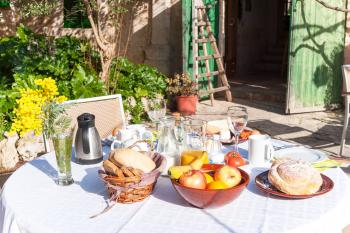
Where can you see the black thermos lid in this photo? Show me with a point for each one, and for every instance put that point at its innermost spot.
(86, 120)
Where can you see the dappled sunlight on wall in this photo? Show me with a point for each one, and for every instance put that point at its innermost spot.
(7, 22)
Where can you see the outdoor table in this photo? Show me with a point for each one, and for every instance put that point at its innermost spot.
(32, 203)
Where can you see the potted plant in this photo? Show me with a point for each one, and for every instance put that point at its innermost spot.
(185, 91)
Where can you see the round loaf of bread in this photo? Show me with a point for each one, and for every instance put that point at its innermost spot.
(134, 159)
(295, 177)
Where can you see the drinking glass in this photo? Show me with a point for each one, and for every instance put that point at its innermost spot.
(237, 118)
(179, 133)
(156, 109)
(195, 131)
(216, 130)
(63, 149)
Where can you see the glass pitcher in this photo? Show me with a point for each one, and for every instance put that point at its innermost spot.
(170, 139)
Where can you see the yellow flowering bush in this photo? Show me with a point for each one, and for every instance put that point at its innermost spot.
(28, 114)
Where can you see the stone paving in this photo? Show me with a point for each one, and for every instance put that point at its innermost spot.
(319, 130)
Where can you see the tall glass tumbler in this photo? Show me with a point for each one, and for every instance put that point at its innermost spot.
(195, 133)
(63, 149)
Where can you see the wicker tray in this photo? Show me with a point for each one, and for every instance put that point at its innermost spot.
(134, 191)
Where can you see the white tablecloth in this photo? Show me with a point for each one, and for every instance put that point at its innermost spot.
(32, 203)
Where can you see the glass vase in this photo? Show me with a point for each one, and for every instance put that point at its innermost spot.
(63, 150)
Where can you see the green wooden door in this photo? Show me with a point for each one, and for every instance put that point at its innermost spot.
(213, 14)
(315, 56)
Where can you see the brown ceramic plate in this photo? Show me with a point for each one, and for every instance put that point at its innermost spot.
(262, 182)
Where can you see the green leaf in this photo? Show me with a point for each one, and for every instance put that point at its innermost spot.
(27, 56)
(86, 85)
(137, 81)
(139, 92)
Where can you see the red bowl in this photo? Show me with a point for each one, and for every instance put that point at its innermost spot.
(211, 198)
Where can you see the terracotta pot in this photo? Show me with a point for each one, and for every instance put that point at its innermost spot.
(187, 105)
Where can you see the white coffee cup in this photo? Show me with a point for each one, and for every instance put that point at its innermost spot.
(260, 150)
(126, 134)
(137, 129)
(116, 144)
(138, 146)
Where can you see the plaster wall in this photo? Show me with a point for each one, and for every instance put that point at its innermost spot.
(347, 37)
(7, 22)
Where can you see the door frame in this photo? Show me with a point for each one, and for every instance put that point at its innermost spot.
(231, 27)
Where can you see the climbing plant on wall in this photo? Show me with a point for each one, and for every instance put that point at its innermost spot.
(4, 3)
(75, 15)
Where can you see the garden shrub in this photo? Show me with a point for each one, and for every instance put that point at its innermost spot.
(135, 82)
(27, 57)
(74, 65)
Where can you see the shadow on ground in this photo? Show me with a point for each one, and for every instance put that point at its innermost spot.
(326, 136)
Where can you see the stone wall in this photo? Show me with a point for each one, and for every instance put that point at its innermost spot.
(156, 32)
(7, 22)
(165, 36)
(154, 29)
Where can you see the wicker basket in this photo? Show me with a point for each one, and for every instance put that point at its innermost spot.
(129, 192)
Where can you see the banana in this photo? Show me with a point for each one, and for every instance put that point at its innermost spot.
(205, 157)
(197, 164)
(201, 157)
(189, 156)
(176, 171)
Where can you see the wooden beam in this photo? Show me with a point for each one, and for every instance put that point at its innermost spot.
(222, 16)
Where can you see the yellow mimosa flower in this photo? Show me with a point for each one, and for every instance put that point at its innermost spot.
(29, 111)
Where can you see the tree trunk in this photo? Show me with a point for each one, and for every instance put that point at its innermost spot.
(103, 29)
(106, 66)
(105, 26)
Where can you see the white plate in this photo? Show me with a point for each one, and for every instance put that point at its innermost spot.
(308, 155)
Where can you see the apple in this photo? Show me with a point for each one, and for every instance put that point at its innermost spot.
(230, 176)
(193, 179)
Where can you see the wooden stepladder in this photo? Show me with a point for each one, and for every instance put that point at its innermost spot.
(202, 35)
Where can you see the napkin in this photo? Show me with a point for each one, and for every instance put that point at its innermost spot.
(326, 164)
(214, 127)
